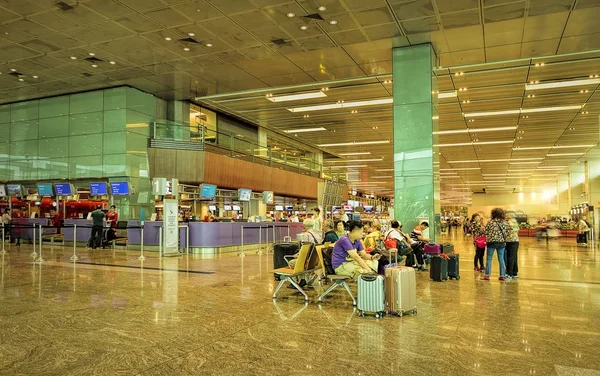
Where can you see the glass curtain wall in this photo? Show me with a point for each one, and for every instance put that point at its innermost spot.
(98, 134)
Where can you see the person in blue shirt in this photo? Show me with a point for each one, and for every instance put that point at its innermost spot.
(349, 257)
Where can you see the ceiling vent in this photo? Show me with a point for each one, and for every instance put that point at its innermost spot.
(64, 6)
(315, 17)
(189, 40)
(279, 42)
(93, 59)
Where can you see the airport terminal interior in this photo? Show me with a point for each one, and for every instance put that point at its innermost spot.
(158, 158)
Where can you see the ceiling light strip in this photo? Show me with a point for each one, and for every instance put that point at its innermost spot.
(296, 97)
(304, 130)
(523, 111)
(477, 130)
(355, 143)
(374, 102)
(562, 84)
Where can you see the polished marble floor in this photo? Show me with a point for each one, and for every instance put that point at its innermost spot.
(213, 315)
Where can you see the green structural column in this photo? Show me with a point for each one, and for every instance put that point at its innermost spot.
(416, 195)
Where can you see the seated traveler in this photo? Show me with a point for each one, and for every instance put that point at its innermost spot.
(309, 235)
(330, 235)
(349, 258)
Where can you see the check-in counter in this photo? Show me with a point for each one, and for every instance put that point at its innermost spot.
(23, 227)
(84, 229)
(216, 234)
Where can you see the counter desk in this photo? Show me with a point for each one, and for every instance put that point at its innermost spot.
(24, 227)
(216, 234)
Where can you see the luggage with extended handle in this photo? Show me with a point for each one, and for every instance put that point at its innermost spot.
(438, 270)
(453, 266)
(371, 294)
(400, 290)
(447, 248)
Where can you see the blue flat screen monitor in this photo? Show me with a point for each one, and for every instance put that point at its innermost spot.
(14, 190)
(45, 189)
(289, 208)
(245, 194)
(119, 188)
(63, 189)
(208, 191)
(368, 209)
(98, 189)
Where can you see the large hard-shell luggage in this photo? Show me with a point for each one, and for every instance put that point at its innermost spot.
(438, 270)
(453, 266)
(283, 249)
(400, 290)
(371, 294)
(432, 249)
(447, 248)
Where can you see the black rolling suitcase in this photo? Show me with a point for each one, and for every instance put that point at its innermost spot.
(438, 270)
(453, 265)
(95, 242)
(283, 249)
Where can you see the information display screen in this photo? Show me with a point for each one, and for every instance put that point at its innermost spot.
(119, 188)
(45, 189)
(227, 207)
(15, 190)
(236, 208)
(2, 190)
(208, 191)
(212, 208)
(98, 189)
(245, 194)
(279, 208)
(63, 189)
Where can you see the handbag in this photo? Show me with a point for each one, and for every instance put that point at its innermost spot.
(481, 241)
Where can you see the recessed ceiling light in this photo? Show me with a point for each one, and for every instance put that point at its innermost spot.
(20, 79)
(296, 97)
(35, 76)
(356, 143)
(450, 94)
(291, 15)
(94, 66)
(192, 34)
(357, 153)
(186, 49)
(303, 27)
(209, 44)
(73, 58)
(112, 62)
(92, 54)
(13, 70)
(322, 8)
(304, 130)
(341, 104)
(333, 22)
(550, 85)
(168, 38)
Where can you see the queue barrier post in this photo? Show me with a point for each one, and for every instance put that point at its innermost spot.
(160, 241)
(74, 257)
(40, 260)
(187, 239)
(141, 258)
(242, 254)
(3, 235)
(260, 252)
(34, 254)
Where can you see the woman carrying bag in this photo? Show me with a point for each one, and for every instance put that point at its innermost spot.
(479, 240)
(496, 232)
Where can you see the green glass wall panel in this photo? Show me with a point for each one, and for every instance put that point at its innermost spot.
(54, 107)
(137, 166)
(413, 84)
(24, 111)
(23, 169)
(4, 132)
(138, 122)
(141, 102)
(137, 143)
(115, 99)
(55, 168)
(85, 145)
(57, 147)
(23, 149)
(87, 102)
(88, 123)
(115, 143)
(115, 120)
(115, 165)
(5, 113)
(54, 127)
(86, 167)
(4, 161)
(24, 130)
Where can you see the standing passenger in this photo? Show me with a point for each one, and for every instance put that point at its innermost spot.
(512, 248)
(496, 231)
(479, 241)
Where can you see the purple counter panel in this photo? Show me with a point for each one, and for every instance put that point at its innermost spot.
(27, 233)
(84, 229)
(151, 233)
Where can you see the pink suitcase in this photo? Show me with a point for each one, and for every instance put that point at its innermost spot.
(432, 249)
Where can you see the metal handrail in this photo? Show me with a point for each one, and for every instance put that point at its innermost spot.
(234, 146)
